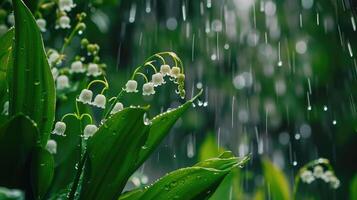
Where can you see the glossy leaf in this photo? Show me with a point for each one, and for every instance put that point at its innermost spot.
(42, 169)
(112, 153)
(197, 182)
(353, 187)
(68, 153)
(5, 59)
(209, 148)
(275, 178)
(32, 90)
(17, 140)
(161, 126)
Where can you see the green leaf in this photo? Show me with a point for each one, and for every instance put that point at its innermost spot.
(42, 169)
(68, 153)
(32, 90)
(209, 148)
(112, 154)
(32, 5)
(161, 126)
(353, 187)
(197, 182)
(275, 178)
(17, 140)
(5, 57)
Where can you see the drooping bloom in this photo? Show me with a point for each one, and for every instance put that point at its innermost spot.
(53, 56)
(307, 177)
(318, 171)
(64, 22)
(41, 23)
(62, 82)
(93, 70)
(51, 146)
(327, 176)
(77, 67)
(117, 107)
(55, 73)
(85, 96)
(157, 79)
(131, 86)
(11, 19)
(66, 5)
(3, 29)
(175, 71)
(99, 101)
(334, 182)
(89, 130)
(148, 89)
(60, 128)
(165, 70)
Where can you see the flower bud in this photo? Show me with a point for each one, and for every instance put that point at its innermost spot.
(84, 42)
(181, 78)
(51, 146)
(81, 26)
(175, 71)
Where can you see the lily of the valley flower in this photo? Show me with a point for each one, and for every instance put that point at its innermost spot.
(318, 171)
(85, 96)
(307, 176)
(89, 130)
(165, 70)
(148, 89)
(66, 5)
(77, 67)
(51, 146)
(175, 71)
(3, 29)
(53, 56)
(60, 128)
(93, 70)
(62, 82)
(55, 73)
(41, 23)
(157, 79)
(99, 101)
(117, 107)
(64, 22)
(11, 19)
(131, 86)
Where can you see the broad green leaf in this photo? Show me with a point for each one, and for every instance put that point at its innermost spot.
(11, 194)
(42, 169)
(17, 140)
(161, 126)
(5, 57)
(32, 5)
(275, 178)
(231, 187)
(68, 153)
(32, 90)
(209, 148)
(353, 188)
(111, 154)
(197, 182)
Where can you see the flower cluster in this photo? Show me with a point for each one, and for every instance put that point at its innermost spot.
(175, 74)
(308, 176)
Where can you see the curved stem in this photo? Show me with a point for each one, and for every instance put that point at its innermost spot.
(151, 65)
(69, 39)
(113, 104)
(68, 114)
(143, 75)
(87, 115)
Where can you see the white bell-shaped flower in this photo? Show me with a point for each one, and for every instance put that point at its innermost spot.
(3, 29)
(53, 56)
(11, 19)
(5, 110)
(41, 23)
(99, 101)
(117, 107)
(51, 146)
(157, 79)
(66, 5)
(93, 70)
(85, 96)
(334, 182)
(327, 176)
(64, 22)
(62, 82)
(307, 177)
(318, 171)
(165, 70)
(55, 73)
(60, 128)
(77, 67)
(131, 86)
(175, 71)
(148, 89)
(89, 130)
